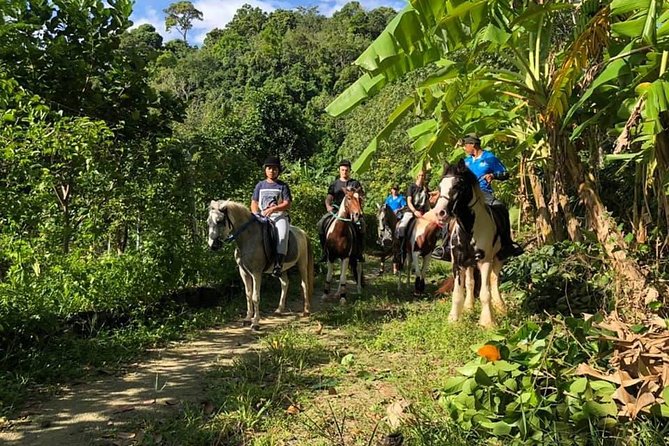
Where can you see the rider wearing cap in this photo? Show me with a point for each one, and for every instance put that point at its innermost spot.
(487, 167)
(335, 196)
(396, 201)
(272, 199)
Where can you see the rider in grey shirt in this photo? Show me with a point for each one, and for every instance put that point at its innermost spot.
(272, 199)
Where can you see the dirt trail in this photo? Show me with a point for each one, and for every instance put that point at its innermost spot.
(95, 413)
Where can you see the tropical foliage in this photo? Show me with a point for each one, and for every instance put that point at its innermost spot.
(540, 78)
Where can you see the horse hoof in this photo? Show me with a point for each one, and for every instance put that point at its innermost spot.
(278, 312)
(246, 323)
(255, 327)
(342, 301)
(306, 313)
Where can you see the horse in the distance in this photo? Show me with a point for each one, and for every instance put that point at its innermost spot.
(386, 238)
(475, 242)
(419, 241)
(255, 254)
(341, 243)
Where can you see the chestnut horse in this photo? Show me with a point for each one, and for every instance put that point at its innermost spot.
(341, 243)
(420, 239)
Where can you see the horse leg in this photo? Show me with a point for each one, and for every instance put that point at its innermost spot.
(341, 291)
(486, 313)
(423, 272)
(415, 258)
(255, 321)
(458, 296)
(497, 301)
(284, 292)
(358, 273)
(328, 281)
(305, 276)
(248, 290)
(469, 287)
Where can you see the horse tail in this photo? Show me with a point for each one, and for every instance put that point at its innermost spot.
(310, 268)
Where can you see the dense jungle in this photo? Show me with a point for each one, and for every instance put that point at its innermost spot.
(114, 141)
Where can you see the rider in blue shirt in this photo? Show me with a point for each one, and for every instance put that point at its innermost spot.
(487, 167)
(396, 202)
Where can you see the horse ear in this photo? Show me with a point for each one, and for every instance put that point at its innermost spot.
(378, 206)
(213, 204)
(462, 167)
(445, 169)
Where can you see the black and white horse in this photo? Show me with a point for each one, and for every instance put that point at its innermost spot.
(475, 242)
(386, 238)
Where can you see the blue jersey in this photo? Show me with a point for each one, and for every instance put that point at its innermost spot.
(396, 203)
(485, 164)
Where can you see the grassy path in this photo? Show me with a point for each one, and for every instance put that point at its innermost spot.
(346, 376)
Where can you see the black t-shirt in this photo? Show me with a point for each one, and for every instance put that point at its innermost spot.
(338, 189)
(420, 197)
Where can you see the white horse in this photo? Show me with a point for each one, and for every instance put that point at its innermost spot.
(475, 241)
(233, 221)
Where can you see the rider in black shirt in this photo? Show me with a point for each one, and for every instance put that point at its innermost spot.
(336, 193)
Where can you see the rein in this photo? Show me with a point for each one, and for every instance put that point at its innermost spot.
(241, 229)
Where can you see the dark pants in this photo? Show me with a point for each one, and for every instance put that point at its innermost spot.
(502, 211)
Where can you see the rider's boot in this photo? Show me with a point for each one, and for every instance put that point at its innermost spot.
(278, 265)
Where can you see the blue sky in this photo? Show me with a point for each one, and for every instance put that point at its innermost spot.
(219, 12)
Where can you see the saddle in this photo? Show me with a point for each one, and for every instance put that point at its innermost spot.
(269, 239)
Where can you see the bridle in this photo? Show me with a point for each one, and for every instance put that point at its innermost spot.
(228, 223)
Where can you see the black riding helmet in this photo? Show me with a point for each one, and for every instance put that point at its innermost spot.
(272, 161)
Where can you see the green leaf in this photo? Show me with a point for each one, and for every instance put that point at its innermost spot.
(482, 378)
(619, 7)
(629, 28)
(578, 386)
(600, 410)
(497, 428)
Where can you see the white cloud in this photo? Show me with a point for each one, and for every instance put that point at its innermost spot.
(329, 7)
(217, 13)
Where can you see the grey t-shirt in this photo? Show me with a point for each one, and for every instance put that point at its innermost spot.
(269, 194)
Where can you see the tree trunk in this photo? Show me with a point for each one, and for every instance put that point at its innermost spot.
(543, 219)
(606, 230)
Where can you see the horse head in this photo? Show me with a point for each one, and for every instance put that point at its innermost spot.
(386, 223)
(352, 205)
(219, 224)
(456, 189)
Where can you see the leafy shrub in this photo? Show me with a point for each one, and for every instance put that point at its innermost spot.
(523, 388)
(567, 277)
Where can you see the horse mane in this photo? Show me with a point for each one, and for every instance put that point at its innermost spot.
(236, 209)
(459, 169)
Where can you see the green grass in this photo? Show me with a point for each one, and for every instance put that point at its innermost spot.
(44, 364)
(380, 342)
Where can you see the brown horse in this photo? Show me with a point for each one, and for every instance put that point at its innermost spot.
(341, 244)
(418, 243)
